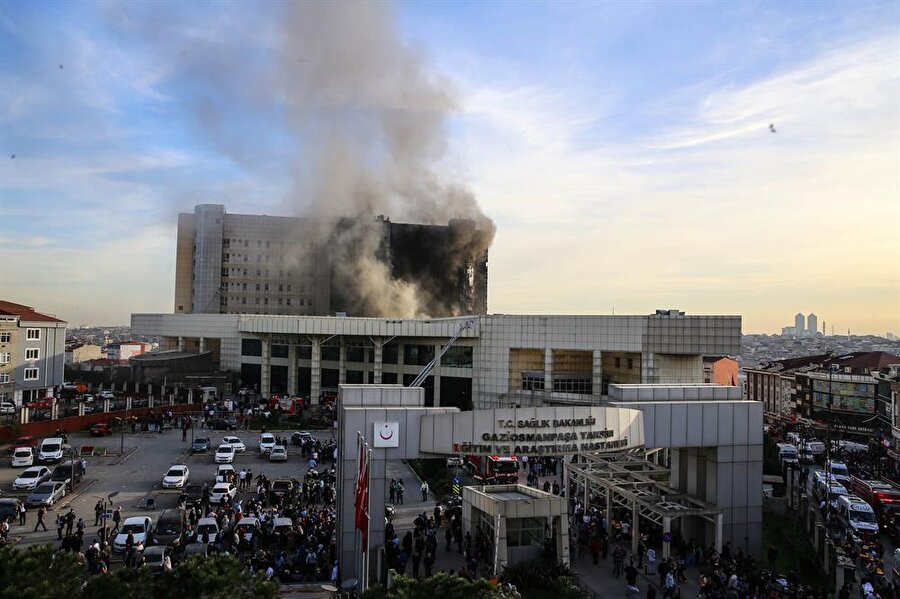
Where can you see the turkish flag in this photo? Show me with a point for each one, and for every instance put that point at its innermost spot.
(362, 509)
(361, 468)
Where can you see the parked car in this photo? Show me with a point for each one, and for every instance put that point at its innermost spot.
(196, 549)
(154, 557)
(31, 478)
(207, 528)
(7, 407)
(281, 526)
(235, 443)
(106, 395)
(220, 424)
(52, 450)
(455, 462)
(46, 494)
(169, 528)
(192, 494)
(22, 457)
(222, 490)
(224, 472)
(281, 487)
(200, 444)
(64, 473)
(26, 441)
(278, 454)
(224, 454)
(101, 429)
(9, 508)
(176, 477)
(300, 437)
(266, 442)
(139, 526)
(247, 528)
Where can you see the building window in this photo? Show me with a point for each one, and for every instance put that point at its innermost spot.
(31, 374)
(251, 347)
(288, 301)
(418, 355)
(5, 397)
(630, 363)
(459, 356)
(32, 353)
(33, 334)
(5, 337)
(4, 377)
(5, 357)
(279, 351)
(618, 362)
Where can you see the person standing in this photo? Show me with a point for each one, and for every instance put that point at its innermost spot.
(21, 509)
(400, 491)
(424, 489)
(618, 561)
(70, 521)
(60, 524)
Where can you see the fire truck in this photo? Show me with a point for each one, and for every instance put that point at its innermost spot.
(494, 469)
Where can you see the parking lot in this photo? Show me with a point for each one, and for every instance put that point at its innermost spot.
(136, 476)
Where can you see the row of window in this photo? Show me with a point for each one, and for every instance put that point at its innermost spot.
(303, 301)
(290, 274)
(417, 355)
(259, 244)
(30, 334)
(31, 353)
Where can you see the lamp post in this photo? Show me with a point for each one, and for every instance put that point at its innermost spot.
(828, 446)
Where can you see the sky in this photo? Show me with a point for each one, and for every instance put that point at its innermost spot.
(622, 149)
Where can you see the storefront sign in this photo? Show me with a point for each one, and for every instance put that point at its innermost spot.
(532, 431)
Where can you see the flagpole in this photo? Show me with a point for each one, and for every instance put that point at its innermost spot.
(367, 557)
(357, 534)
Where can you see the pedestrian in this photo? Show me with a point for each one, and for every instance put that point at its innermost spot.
(618, 561)
(400, 491)
(70, 521)
(40, 519)
(98, 511)
(21, 509)
(117, 517)
(651, 561)
(393, 490)
(80, 526)
(60, 524)
(424, 489)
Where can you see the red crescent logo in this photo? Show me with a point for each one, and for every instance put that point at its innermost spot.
(389, 430)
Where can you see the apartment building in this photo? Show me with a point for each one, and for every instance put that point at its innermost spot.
(32, 353)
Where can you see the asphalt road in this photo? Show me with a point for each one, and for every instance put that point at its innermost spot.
(138, 475)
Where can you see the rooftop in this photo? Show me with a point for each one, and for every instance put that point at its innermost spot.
(25, 313)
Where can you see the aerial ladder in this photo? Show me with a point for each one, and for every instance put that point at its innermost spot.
(417, 382)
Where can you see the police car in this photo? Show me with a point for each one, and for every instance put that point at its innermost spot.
(857, 516)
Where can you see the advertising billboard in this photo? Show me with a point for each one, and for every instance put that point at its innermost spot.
(857, 398)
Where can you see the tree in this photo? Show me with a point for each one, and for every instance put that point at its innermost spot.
(540, 580)
(39, 572)
(219, 576)
(442, 585)
(127, 582)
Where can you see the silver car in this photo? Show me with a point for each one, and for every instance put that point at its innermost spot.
(46, 494)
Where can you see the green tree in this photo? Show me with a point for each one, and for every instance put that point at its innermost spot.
(127, 583)
(39, 572)
(540, 580)
(442, 585)
(219, 576)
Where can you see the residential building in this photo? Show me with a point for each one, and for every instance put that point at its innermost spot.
(32, 353)
(812, 324)
(772, 383)
(887, 394)
(256, 264)
(799, 323)
(122, 351)
(720, 370)
(497, 361)
(82, 352)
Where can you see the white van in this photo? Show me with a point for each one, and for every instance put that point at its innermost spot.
(840, 472)
(793, 438)
(816, 448)
(51, 450)
(857, 517)
(786, 453)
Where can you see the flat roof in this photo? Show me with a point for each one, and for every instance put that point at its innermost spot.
(511, 496)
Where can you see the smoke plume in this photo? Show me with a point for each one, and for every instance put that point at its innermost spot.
(374, 116)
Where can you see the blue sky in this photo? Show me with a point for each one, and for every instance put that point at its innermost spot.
(621, 148)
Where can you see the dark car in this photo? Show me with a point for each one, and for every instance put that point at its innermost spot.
(200, 444)
(220, 424)
(101, 429)
(169, 528)
(154, 557)
(300, 437)
(281, 487)
(192, 495)
(64, 472)
(9, 508)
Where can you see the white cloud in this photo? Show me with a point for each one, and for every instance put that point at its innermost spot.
(714, 214)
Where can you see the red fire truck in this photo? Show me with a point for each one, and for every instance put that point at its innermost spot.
(880, 494)
(494, 469)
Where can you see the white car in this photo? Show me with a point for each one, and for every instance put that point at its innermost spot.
(266, 442)
(247, 527)
(139, 526)
(176, 477)
(278, 454)
(224, 454)
(222, 490)
(7, 407)
(236, 443)
(223, 471)
(31, 478)
(22, 457)
(106, 395)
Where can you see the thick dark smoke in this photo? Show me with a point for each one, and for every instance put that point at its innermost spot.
(375, 116)
(363, 125)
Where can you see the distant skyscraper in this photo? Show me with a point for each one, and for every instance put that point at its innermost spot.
(799, 323)
(812, 324)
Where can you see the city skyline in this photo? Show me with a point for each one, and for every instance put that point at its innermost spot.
(626, 161)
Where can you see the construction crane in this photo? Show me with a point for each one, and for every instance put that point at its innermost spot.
(417, 382)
